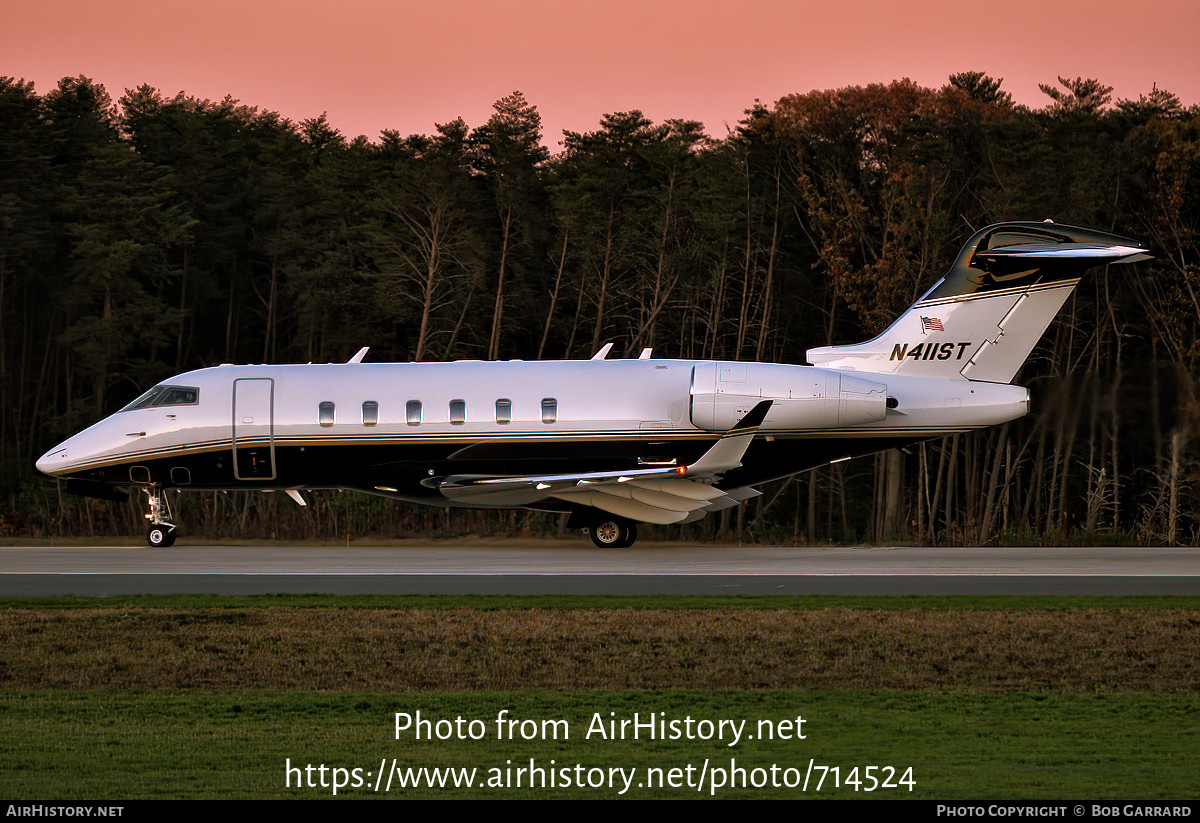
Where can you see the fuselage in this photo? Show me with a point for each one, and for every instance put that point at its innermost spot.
(394, 429)
(612, 442)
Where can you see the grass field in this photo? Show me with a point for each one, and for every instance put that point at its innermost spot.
(414, 649)
(982, 697)
(96, 745)
(487, 602)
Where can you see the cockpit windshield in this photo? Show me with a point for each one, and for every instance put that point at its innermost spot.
(166, 396)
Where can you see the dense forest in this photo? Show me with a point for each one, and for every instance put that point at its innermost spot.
(154, 234)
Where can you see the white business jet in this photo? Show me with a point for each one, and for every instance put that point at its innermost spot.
(613, 443)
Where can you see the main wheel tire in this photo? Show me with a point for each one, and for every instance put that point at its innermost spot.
(631, 536)
(160, 537)
(612, 533)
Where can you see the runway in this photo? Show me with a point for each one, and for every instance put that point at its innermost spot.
(562, 567)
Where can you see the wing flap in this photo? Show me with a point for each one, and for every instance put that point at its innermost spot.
(637, 502)
(662, 500)
(624, 507)
(682, 488)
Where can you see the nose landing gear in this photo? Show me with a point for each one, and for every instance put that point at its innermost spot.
(161, 533)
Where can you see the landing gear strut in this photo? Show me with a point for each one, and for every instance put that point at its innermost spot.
(161, 533)
(613, 533)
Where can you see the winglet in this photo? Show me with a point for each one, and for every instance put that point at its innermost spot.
(753, 419)
(603, 353)
(727, 452)
(359, 355)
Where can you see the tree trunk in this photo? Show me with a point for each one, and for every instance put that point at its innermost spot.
(562, 259)
(985, 522)
(498, 307)
(769, 285)
(812, 506)
(1173, 488)
(604, 273)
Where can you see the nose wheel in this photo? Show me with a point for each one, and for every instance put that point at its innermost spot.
(161, 534)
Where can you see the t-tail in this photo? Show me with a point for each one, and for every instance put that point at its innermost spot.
(981, 320)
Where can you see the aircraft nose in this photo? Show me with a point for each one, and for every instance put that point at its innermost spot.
(51, 460)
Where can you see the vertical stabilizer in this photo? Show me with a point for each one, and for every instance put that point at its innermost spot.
(981, 320)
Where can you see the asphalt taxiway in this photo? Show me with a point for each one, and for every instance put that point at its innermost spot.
(561, 567)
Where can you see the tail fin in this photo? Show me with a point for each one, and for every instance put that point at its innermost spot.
(982, 319)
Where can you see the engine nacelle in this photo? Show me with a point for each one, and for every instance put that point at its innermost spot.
(805, 397)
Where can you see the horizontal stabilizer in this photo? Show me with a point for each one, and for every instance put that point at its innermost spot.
(1090, 252)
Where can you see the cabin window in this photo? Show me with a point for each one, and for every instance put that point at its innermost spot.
(325, 414)
(503, 411)
(412, 412)
(549, 409)
(177, 396)
(370, 413)
(458, 412)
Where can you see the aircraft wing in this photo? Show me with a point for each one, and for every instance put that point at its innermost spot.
(671, 494)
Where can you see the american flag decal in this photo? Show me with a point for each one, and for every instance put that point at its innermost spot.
(929, 324)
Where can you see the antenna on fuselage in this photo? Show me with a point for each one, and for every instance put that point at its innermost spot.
(359, 355)
(603, 353)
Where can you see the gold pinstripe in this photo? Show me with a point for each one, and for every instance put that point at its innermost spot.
(483, 439)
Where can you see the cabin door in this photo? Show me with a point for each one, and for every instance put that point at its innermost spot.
(254, 428)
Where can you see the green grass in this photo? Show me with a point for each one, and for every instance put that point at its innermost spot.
(494, 602)
(122, 745)
(998, 698)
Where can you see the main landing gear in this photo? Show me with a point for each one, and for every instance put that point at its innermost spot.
(161, 533)
(613, 533)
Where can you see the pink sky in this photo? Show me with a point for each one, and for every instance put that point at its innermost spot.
(376, 64)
